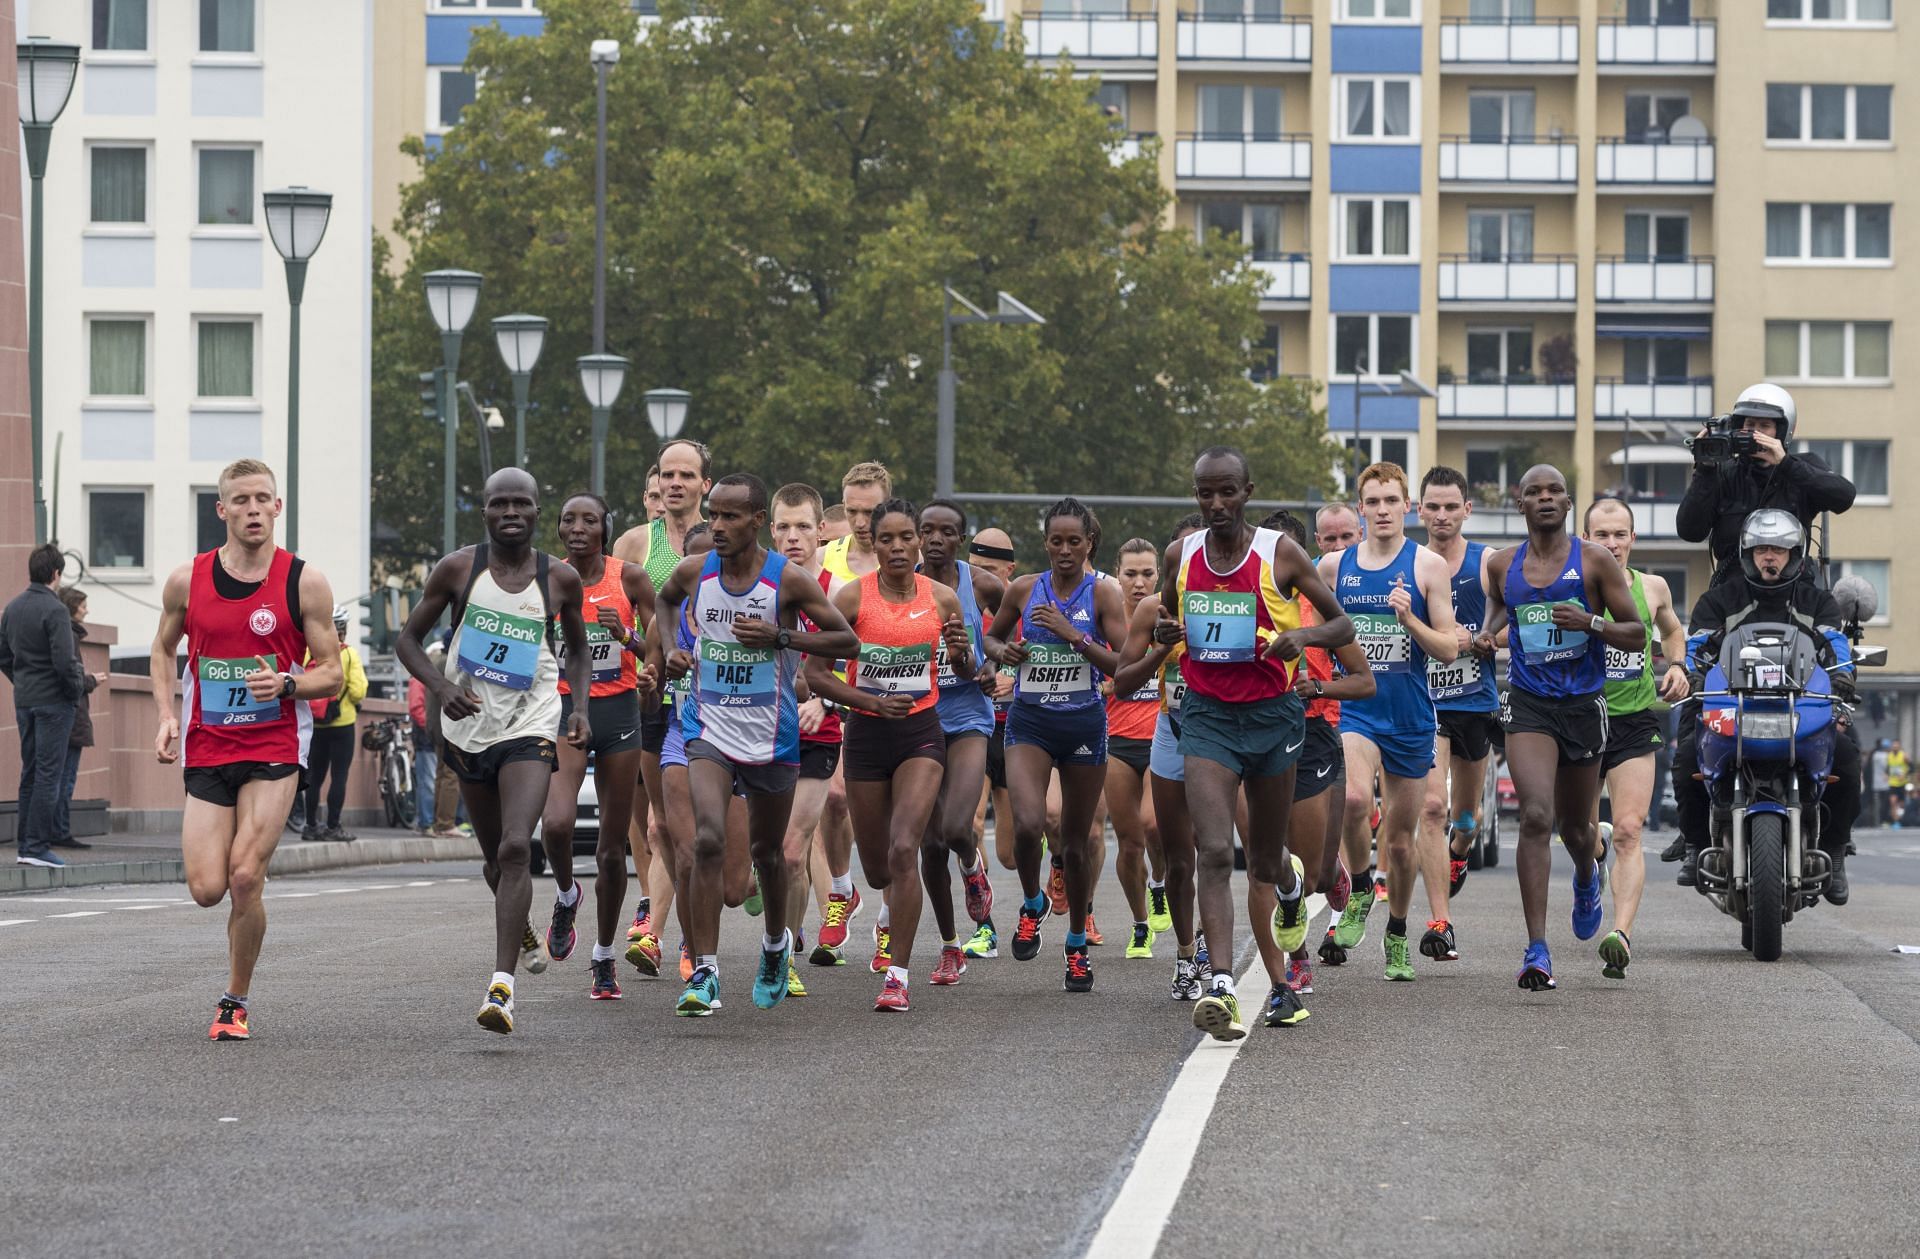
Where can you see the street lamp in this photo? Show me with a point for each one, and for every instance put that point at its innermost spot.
(520, 338)
(46, 73)
(601, 378)
(1404, 385)
(296, 220)
(667, 412)
(1009, 310)
(604, 54)
(451, 297)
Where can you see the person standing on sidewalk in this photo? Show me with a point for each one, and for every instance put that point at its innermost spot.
(330, 755)
(37, 655)
(82, 736)
(426, 753)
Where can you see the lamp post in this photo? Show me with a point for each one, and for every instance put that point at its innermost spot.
(47, 71)
(296, 220)
(451, 297)
(667, 412)
(1009, 310)
(1404, 385)
(605, 54)
(601, 378)
(520, 338)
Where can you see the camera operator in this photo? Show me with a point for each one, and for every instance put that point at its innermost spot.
(1766, 585)
(1741, 463)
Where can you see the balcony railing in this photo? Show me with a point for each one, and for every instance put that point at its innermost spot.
(1654, 519)
(1206, 155)
(1289, 277)
(1642, 160)
(1638, 44)
(1091, 37)
(1663, 398)
(1529, 41)
(1127, 146)
(1201, 38)
(1514, 160)
(1622, 279)
(1534, 278)
(1507, 398)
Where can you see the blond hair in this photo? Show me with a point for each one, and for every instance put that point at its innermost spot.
(869, 473)
(244, 468)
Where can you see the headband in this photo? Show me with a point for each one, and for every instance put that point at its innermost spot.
(991, 552)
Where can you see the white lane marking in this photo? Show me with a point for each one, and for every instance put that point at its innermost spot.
(109, 900)
(421, 883)
(291, 896)
(1139, 1214)
(83, 913)
(378, 887)
(14, 922)
(128, 903)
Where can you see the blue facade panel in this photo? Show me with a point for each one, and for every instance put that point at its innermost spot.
(1376, 49)
(1374, 168)
(1373, 289)
(1378, 411)
(448, 34)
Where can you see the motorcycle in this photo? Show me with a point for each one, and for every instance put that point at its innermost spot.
(391, 739)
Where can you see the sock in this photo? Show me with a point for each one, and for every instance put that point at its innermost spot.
(843, 885)
(1299, 886)
(708, 961)
(1184, 952)
(979, 864)
(773, 944)
(886, 916)
(239, 1001)
(1396, 926)
(501, 977)
(1076, 939)
(570, 897)
(603, 952)
(1223, 982)
(1036, 903)
(1139, 923)
(1156, 884)
(897, 972)
(950, 942)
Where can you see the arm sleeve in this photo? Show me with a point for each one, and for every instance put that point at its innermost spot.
(356, 677)
(1694, 518)
(1821, 488)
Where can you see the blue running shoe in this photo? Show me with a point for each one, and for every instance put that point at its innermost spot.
(770, 981)
(1586, 905)
(702, 996)
(1536, 969)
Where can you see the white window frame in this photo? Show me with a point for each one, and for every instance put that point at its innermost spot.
(126, 401)
(1373, 319)
(1501, 330)
(1806, 120)
(111, 574)
(1339, 228)
(1273, 336)
(1655, 95)
(225, 402)
(528, 7)
(433, 96)
(248, 231)
(1505, 213)
(1850, 22)
(1654, 213)
(1370, 440)
(1884, 615)
(1806, 339)
(1379, 81)
(254, 58)
(1505, 95)
(1245, 231)
(1805, 257)
(143, 227)
(125, 56)
(1845, 468)
(1644, 347)
(1346, 14)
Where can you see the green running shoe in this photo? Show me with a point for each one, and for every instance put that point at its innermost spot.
(1398, 966)
(1218, 1015)
(1352, 927)
(985, 942)
(753, 904)
(1616, 952)
(1159, 913)
(1141, 943)
(1290, 917)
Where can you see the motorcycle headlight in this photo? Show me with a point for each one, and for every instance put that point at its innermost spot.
(1766, 725)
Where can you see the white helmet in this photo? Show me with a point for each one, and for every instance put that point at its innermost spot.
(342, 617)
(1768, 402)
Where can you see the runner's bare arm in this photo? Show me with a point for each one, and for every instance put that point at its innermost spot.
(162, 662)
(631, 546)
(638, 588)
(568, 595)
(999, 647)
(1141, 657)
(1607, 588)
(988, 591)
(323, 677)
(952, 619)
(1673, 638)
(1435, 635)
(1357, 682)
(1488, 640)
(677, 589)
(1293, 568)
(1110, 614)
(1169, 591)
(800, 592)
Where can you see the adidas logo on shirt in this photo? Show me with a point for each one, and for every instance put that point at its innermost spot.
(1080, 615)
(1572, 574)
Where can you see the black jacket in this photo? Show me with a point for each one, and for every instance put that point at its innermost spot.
(36, 649)
(1735, 600)
(82, 736)
(1721, 497)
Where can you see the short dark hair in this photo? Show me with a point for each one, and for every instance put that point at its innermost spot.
(1288, 523)
(951, 506)
(1189, 522)
(1077, 510)
(44, 563)
(75, 598)
(1441, 474)
(1226, 452)
(893, 505)
(606, 515)
(699, 448)
(756, 488)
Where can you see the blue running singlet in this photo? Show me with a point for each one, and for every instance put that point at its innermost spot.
(1401, 708)
(1056, 678)
(1466, 685)
(1546, 660)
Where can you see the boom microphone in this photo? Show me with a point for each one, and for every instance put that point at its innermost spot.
(1857, 598)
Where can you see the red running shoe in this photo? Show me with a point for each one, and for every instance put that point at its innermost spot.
(882, 949)
(893, 996)
(230, 1023)
(1300, 975)
(1057, 890)
(833, 924)
(1342, 888)
(979, 893)
(1093, 933)
(952, 965)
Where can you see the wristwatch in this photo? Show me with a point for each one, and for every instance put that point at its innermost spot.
(783, 640)
(286, 686)
(1593, 626)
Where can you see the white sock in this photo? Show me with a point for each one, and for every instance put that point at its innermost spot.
(501, 977)
(979, 863)
(953, 943)
(773, 944)
(1156, 883)
(886, 916)
(1223, 982)
(1299, 886)
(843, 885)
(709, 960)
(897, 972)
(570, 897)
(603, 952)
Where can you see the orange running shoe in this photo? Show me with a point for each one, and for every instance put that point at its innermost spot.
(642, 926)
(644, 953)
(1093, 932)
(686, 963)
(882, 950)
(893, 996)
(1057, 890)
(230, 1023)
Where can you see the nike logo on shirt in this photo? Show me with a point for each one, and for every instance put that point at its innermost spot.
(1324, 771)
(914, 616)
(597, 598)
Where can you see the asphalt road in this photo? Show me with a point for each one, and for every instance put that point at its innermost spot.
(1709, 1105)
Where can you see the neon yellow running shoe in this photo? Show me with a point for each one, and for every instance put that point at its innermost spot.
(1352, 927)
(985, 942)
(1290, 917)
(1218, 1015)
(1159, 910)
(794, 987)
(1141, 942)
(1615, 952)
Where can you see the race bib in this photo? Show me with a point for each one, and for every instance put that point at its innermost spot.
(1451, 681)
(679, 688)
(895, 670)
(1388, 646)
(1147, 691)
(1625, 666)
(500, 648)
(1176, 688)
(1220, 626)
(1541, 639)
(602, 650)
(224, 697)
(1000, 702)
(948, 678)
(736, 676)
(1054, 674)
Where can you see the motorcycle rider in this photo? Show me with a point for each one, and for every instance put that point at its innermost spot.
(1768, 585)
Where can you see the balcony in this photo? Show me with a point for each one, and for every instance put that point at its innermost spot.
(1537, 279)
(1638, 47)
(1127, 146)
(1264, 41)
(1677, 398)
(1536, 45)
(1647, 162)
(1507, 398)
(1090, 37)
(1551, 162)
(1653, 280)
(1289, 279)
(1237, 161)
(1654, 520)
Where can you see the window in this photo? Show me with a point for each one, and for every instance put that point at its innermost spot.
(1879, 575)
(226, 359)
(1500, 117)
(1257, 226)
(1830, 12)
(1235, 10)
(1381, 10)
(1665, 481)
(1111, 100)
(1657, 236)
(226, 186)
(1495, 355)
(226, 25)
(1496, 11)
(1377, 109)
(452, 92)
(1267, 354)
(1828, 232)
(1865, 463)
(209, 531)
(116, 529)
(1501, 235)
(120, 25)
(1659, 12)
(1378, 449)
(117, 358)
(1817, 349)
(1829, 113)
(1375, 229)
(1372, 345)
(119, 193)
(1231, 111)
(1496, 468)
(1651, 115)
(1655, 359)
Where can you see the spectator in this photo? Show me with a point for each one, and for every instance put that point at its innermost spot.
(82, 736)
(1898, 779)
(426, 750)
(38, 657)
(1882, 805)
(448, 809)
(332, 747)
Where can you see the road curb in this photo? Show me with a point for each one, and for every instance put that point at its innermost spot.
(297, 859)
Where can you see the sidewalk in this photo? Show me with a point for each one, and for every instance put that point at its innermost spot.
(155, 858)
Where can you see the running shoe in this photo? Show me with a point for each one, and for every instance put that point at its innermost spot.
(1186, 980)
(1438, 943)
(605, 986)
(1330, 951)
(642, 925)
(1079, 971)
(770, 981)
(1284, 1007)
(230, 1021)
(561, 936)
(753, 904)
(1616, 952)
(1026, 936)
(893, 996)
(882, 949)
(979, 891)
(794, 987)
(1093, 933)
(1399, 967)
(1457, 861)
(1290, 917)
(1202, 960)
(1159, 910)
(1380, 887)
(1536, 969)
(1300, 975)
(833, 928)
(496, 1012)
(1352, 927)
(686, 963)
(533, 954)
(952, 965)
(985, 942)
(1218, 1015)
(644, 953)
(1141, 945)
(1586, 905)
(702, 996)
(1342, 889)
(1057, 888)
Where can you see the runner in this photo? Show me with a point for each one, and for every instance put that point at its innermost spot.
(618, 598)
(741, 723)
(863, 488)
(250, 613)
(1067, 618)
(656, 502)
(1555, 716)
(1336, 527)
(1131, 717)
(1398, 595)
(992, 552)
(500, 701)
(833, 524)
(1633, 724)
(966, 721)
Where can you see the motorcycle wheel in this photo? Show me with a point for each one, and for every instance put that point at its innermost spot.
(1766, 883)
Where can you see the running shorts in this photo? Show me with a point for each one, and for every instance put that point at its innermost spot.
(819, 760)
(1578, 723)
(1078, 737)
(1403, 753)
(653, 727)
(673, 745)
(220, 784)
(1323, 761)
(997, 756)
(615, 720)
(772, 779)
(485, 765)
(965, 710)
(1630, 736)
(1166, 761)
(1256, 739)
(877, 746)
(1135, 754)
(1471, 736)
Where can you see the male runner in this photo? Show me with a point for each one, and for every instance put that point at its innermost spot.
(863, 488)
(1553, 588)
(1633, 724)
(499, 698)
(251, 613)
(991, 552)
(833, 524)
(656, 502)
(1399, 596)
(1336, 527)
(742, 722)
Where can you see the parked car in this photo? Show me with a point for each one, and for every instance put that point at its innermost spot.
(586, 826)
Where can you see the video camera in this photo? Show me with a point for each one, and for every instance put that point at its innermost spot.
(1724, 439)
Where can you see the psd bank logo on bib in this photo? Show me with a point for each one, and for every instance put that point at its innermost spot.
(263, 622)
